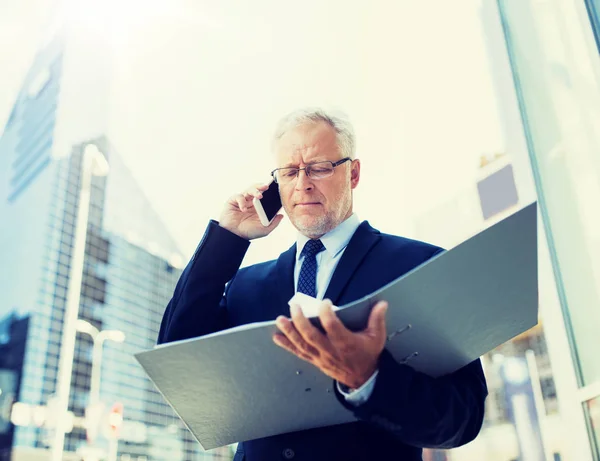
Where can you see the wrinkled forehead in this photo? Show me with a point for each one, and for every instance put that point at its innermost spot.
(307, 143)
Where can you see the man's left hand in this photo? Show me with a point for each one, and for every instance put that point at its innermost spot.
(349, 358)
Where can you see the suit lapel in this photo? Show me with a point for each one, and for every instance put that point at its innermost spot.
(361, 242)
(285, 275)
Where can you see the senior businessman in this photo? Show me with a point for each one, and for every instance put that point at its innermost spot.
(339, 259)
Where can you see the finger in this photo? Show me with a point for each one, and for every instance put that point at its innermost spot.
(253, 192)
(249, 197)
(309, 333)
(276, 220)
(333, 326)
(242, 203)
(239, 201)
(292, 334)
(283, 342)
(376, 323)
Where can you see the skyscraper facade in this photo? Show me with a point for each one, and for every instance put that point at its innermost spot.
(130, 268)
(546, 72)
(554, 77)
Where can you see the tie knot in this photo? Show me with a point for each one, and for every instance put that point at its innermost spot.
(312, 247)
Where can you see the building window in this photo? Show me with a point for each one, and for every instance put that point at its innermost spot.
(94, 288)
(559, 99)
(593, 7)
(97, 247)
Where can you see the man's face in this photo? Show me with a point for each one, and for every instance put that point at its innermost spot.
(315, 207)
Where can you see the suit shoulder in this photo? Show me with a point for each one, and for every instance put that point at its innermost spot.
(257, 270)
(397, 243)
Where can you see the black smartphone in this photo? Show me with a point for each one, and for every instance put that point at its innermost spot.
(269, 205)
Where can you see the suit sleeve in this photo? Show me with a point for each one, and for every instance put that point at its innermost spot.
(422, 411)
(199, 303)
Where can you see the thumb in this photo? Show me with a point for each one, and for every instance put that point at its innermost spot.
(376, 323)
(276, 220)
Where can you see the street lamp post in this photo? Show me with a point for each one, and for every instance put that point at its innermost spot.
(98, 338)
(93, 164)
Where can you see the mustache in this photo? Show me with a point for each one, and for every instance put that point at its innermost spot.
(311, 199)
(306, 202)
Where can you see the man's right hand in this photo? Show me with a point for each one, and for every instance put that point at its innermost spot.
(239, 215)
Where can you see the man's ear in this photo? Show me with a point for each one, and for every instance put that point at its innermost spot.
(355, 173)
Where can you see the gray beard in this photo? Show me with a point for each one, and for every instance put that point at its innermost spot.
(321, 227)
(322, 224)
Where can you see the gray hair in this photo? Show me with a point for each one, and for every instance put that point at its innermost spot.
(338, 121)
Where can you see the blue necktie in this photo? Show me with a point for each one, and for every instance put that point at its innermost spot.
(307, 281)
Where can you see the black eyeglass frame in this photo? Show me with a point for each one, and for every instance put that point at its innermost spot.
(308, 167)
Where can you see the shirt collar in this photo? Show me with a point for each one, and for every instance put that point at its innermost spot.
(335, 240)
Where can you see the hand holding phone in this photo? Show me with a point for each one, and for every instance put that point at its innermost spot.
(252, 214)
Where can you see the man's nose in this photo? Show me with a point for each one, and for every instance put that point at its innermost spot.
(303, 182)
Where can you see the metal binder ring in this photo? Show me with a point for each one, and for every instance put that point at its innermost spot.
(399, 332)
(406, 359)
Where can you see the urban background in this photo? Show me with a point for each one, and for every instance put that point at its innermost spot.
(126, 124)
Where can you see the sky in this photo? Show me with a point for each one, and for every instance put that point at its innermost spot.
(198, 87)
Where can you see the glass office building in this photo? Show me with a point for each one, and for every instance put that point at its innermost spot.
(493, 196)
(131, 266)
(545, 62)
(553, 52)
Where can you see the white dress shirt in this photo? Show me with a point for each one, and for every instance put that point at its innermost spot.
(335, 243)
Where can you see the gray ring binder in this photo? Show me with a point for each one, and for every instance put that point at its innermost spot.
(485, 294)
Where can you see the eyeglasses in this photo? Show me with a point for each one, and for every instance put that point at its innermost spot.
(318, 170)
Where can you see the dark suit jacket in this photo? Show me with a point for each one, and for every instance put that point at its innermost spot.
(407, 410)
